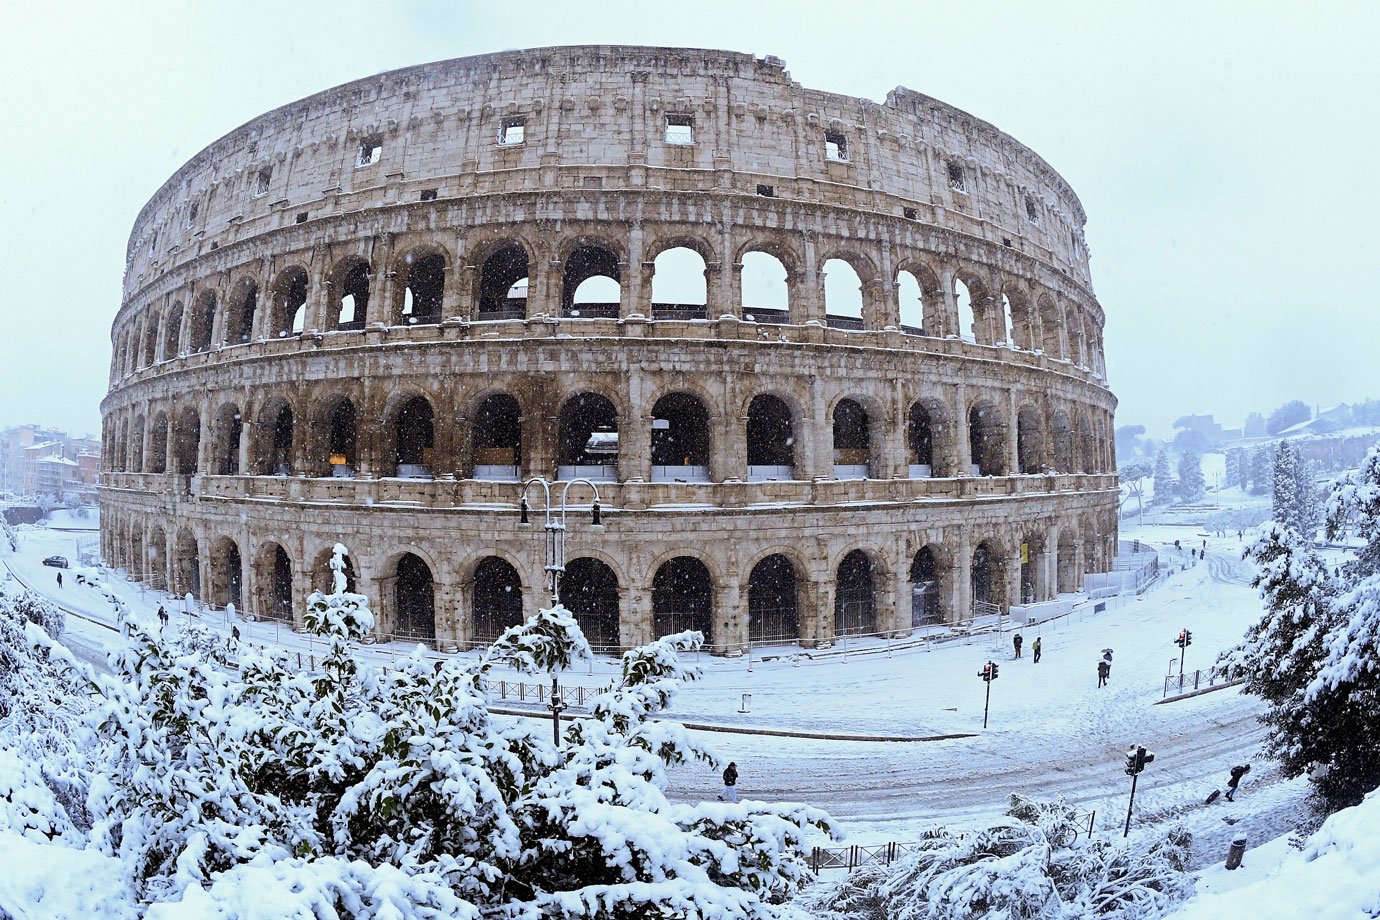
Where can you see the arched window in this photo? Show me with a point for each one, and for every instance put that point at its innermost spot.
(967, 318)
(504, 284)
(678, 285)
(852, 441)
(157, 459)
(290, 302)
(415, 596)
(770, 439)
(855, 605)
(227, 574)
(414, 437)
(239, 322)
(589, 590)
(920, 440)
(498, 439)
(203, 321)
(151, 341)
(592, 284)
(153, 565)
(987, 440)
(682, 598)
(842, 295)
(680, 439)
(587, 445)
(766, 293)
(987, 578)
(273, 441)
(425, 281)
(1067, 563)
(172, 333)
(186, 565)
(497, 599)
(912, 303)
(1030, 441)
(772, 602)
(1063, 443)
(276, 602)
(1087, 448)
(135, 463)
(186, 442)
(924, 590)
(342, 439)
(352, 303)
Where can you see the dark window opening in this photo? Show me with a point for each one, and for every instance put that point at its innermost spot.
(924, 590)
(910, 214)
(416, 599)
(186, 443)
(370, 150)
(770, 437)
(498, 438)
(680, 439)
(343, 438)
(241, 326)
(415, 434)
(172, 333)
(233, 576)
(290, 302)
(203, 322)
(589, 590)
(772, 602)
(1031, 212)
(855, 606)
(984, 578)
(428, 194)
(836, 146)
(262, 181)
(233, 426)
(851, 440)
(956, 177)
(497, 599)
(986, 441)
(766, 191)
(1029, 442)
(191, 214)
(680, 129)
(426, 281)
(682, 598)
(504, 283)
(280, 455)
(920, 438)
(354, 297)
(301, 217)
(587, 444)
(280, 587)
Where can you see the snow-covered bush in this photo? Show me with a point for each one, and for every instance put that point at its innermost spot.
(355, 792)
(1030, 864)
(27, 806)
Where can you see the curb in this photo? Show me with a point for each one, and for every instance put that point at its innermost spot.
(1200, 691)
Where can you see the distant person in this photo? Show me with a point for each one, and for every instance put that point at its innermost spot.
(730, 793)
(59, 579)
(1205, 544)
(1016, 641)
(235, 636)
(162, 616)
(1237, 773)
(1035, 650)
(1240, 535)
(1176, 546)
(1104, 670)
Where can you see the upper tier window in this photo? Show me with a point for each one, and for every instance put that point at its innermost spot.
(370, 150)
(836, 146)
(680, 129)
(956, 178)
(512, 131)
(1032, 213)
(262, 180)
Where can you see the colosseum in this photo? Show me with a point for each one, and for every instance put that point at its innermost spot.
(834, 366)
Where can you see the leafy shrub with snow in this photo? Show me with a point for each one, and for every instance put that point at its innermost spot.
(1028, 865)
(350, 792)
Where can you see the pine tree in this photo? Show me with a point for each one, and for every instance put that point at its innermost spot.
(1306, 495)
(1191, 484)
(1235, 476)
(1284, 506)
(1164, 480)
(1262, 463)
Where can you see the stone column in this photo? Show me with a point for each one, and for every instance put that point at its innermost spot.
(815, 459)
(1013, 429)
(634, 617)
(948, 304)
(731, 619)
(1013, 574)
(963, 581)
(380, 307)
(807, 287)
(963, 452)
(729, 296)
(634, 299)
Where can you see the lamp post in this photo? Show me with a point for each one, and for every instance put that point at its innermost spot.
(555, 528)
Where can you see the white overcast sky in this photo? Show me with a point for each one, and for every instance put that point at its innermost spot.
(1226, 154)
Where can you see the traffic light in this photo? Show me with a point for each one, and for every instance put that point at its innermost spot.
(988, 672)
(1136, 759)
(993, 665)
(1131, 762)
(1188, 638)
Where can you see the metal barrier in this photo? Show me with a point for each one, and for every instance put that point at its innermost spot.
(1193, 680)
(884, 854)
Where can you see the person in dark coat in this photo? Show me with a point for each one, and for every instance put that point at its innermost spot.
(1236, 773)
(1035, 650)
(1104, 669)
(59, 579)
(1016, 641)
(730, 793)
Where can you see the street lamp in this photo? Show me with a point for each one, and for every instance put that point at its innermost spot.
(555, 559)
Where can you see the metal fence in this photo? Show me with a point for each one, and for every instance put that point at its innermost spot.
(1189, 681)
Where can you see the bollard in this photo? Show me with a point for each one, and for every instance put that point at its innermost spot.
(1236, 851)
(746, 704)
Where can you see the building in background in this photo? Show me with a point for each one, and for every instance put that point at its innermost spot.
(35, 461)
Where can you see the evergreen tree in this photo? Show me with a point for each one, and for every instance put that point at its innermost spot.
(1235, 473)
(1284, 506)
(1191, 484)
(1164, 479)
(1306, 495)
(1262, 463)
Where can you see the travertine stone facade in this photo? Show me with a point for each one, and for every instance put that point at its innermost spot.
(364, 317)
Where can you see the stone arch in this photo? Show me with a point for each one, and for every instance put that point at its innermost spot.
(680, 284)
(496, 598)
(1031, 453)
(335, 445)
(843, 293)
(275, 431)
(412, 581)
(681, 429)
(987, 576)
(186, 565)
(910, 300)
(590, 590)
(969, 311)
(1085, 446)
(1024, 324)
(1061, 436)
(496, 427)
(273, 571)
(765, 283)
(773, 600)
(1049, 341)
(186, 438)
(240, 308)
(138, 561)
(929, 435)
(227, 435)
(136, 445)
(226, 570)
(771, 437)
(350, 281)
(683, 598)
(153, 569)
(1032, 581)
(853, 431)
(929, 588)
(420, 279)
(504, 281)
(156, 460)
(172, 333)
(1069, 563)
(587, 259)
(855, 595)
(203, 320)
(412, 436)
(288, 315)
(987, 438)
(587, 442)
(150, 341)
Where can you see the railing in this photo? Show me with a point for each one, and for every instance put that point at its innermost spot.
(884, 854)
(1190, 681)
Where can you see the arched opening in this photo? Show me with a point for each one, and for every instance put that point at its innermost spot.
(587, 445)
(187, 566)
(203, 321)
(1087, 449)
(139, 562)
(967, 318)
(151, 341)
(1032, 586)
(680, 439)
(912, 303)
(1068, 569)
(589, 590)
(274, 454)
(987, 440)
(682, 598)
(592, 284)
(414, 595)
(987, 580)
(773, 603)
(679, 289)
(172, 333)
(1030, 441)
(352, 302)
(497, 599)
(766, 293)
(770, 439)
(229, 431)
(289, 315)
(135, 463)
(186, 442)
(855, 604)
(154, 564)
(852, 441)
(504, 284)
(924, 590)
(157, 459)
(227, 574)
(424, 284)
(277, 594)
(498, 439)
(1063, 443)
(414, 433)
(239, 320)
(842, 295)
(342, 439)
(323, 576)
(920, 440)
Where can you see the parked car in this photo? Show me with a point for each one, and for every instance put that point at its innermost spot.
(57, 562)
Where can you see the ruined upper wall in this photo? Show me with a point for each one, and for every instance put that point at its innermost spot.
(601, 107)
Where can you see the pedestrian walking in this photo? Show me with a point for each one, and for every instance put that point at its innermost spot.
(1237, 772)
(1104, 669)
(1035, 650)
(1107, 657)
(59, 579)
(162, 616)
(1016, 641)
(1176, 546)
(1240, 535)
(235, 635)
(730, 793)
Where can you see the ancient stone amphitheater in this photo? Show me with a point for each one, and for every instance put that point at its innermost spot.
(834, 365)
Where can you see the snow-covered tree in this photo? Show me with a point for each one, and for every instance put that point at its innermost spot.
(1291, 413)
(1164, 479)
(1191, 484)
(1284, 505)
(1262, 464)
(396, 794)
(1235, 461)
